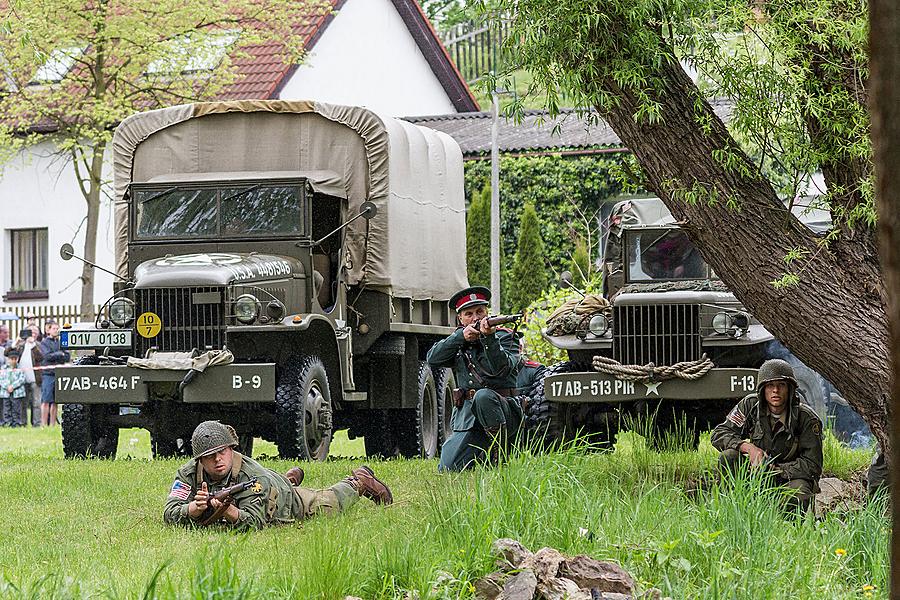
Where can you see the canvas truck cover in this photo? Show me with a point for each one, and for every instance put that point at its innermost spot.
(414, 175)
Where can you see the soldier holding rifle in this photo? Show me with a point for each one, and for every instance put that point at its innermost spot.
(486, 361)
(220, 485)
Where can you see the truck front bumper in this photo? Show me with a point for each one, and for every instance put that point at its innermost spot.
(593, 387)
(113, 384)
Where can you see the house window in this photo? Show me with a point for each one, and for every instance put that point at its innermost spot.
(194, 53)
(58, 64)
(28, 271)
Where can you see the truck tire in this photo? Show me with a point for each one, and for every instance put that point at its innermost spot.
(445, 381)
(419, 428)
(85, 428)
(379, 436)
(303, 410)
(549, 424)
(86, 433)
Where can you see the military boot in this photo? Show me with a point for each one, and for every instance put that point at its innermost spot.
(365, 483)
(295, 475)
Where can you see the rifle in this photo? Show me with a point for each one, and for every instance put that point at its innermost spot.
(498, 320)
(226, 497)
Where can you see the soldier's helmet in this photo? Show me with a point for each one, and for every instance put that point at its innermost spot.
(775, 370)
(211, 436)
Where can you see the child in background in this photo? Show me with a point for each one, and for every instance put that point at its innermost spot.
(12, 389)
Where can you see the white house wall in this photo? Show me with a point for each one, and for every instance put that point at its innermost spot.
(38, 190)
(367, 57)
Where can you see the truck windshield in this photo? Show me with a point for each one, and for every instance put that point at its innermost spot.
(179, 212)
(663, 255)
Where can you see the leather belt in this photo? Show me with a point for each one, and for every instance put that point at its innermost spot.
(502, 391)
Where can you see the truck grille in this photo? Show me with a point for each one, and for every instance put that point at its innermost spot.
(192, 317)
(662, 334)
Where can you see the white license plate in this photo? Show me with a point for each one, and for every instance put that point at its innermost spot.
(95, 339)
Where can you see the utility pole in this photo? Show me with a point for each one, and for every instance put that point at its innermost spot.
(495, 205)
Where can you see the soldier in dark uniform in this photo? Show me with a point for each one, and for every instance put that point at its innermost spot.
(486, 361)
(275, 499)
(772, 429)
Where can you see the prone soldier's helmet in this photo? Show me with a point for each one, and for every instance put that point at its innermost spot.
(775, 370)
(211, 436)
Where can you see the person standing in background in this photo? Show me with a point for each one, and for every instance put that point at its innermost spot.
(53, 355)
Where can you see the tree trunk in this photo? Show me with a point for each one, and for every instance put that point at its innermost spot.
(884, 38)
(834, 318)
(86, 310)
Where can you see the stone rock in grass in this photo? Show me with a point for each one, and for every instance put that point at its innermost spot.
(489, 586)
(545, 563)
(510, 553)
(611, 596)
(520, 586)
(558, 588)
(837, 494)
(602, 575)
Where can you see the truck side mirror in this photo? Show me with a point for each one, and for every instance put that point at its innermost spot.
(66, 252)
(565, 279)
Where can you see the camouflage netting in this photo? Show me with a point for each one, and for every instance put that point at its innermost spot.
(708, 285)
(575, 314)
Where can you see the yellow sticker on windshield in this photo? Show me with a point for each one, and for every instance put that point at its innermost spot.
(149, 324)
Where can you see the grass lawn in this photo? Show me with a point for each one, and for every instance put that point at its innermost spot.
(75, 529)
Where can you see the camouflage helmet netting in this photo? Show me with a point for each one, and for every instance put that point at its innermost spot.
(775, 370)
(211, 436)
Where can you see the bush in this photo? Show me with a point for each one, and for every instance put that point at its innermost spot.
(529, 275)
(478, 238)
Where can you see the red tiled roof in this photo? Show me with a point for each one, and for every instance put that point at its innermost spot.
(261, 74)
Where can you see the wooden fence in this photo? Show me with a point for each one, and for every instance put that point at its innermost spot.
(66, 313)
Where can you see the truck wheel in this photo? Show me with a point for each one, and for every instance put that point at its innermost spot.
(303, 410)
(812, 389)
(419, 428)
(379, 435)
(86, 432)
(85, 427)
(549, 423)
(445, 381)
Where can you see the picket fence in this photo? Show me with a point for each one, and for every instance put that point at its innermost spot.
(64, 313)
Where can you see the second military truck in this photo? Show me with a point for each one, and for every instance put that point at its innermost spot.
(285, 267)
(667, 345)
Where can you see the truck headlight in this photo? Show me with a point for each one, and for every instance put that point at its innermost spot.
(598, 325)
(121, 312)
(722, 323)
(246, 308)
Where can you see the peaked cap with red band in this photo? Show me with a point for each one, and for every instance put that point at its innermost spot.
(471, 296)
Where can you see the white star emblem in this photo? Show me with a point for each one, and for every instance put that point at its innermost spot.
(652, 388)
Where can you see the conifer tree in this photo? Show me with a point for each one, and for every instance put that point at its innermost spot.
(478, 238)
(529, 273)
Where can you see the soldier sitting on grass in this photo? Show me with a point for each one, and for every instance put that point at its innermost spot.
(486, 361)
(773, 430)
(274, 499)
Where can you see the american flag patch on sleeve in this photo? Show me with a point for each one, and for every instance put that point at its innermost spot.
(737, 417)
(180, 490)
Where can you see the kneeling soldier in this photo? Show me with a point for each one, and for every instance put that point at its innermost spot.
(268, 498)
(485, 360)
(774, 430)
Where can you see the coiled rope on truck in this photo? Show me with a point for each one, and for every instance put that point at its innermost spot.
(688, 370)
(574, 314)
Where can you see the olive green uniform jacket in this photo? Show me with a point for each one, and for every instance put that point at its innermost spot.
(496, 361)
(796, 450)
(273, 501)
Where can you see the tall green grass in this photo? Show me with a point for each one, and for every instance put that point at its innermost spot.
(76, 529)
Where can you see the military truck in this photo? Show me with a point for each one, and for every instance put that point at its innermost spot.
(668, 346)
(239, 241)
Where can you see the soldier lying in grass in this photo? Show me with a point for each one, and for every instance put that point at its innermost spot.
(269, 498)
(772, 429)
